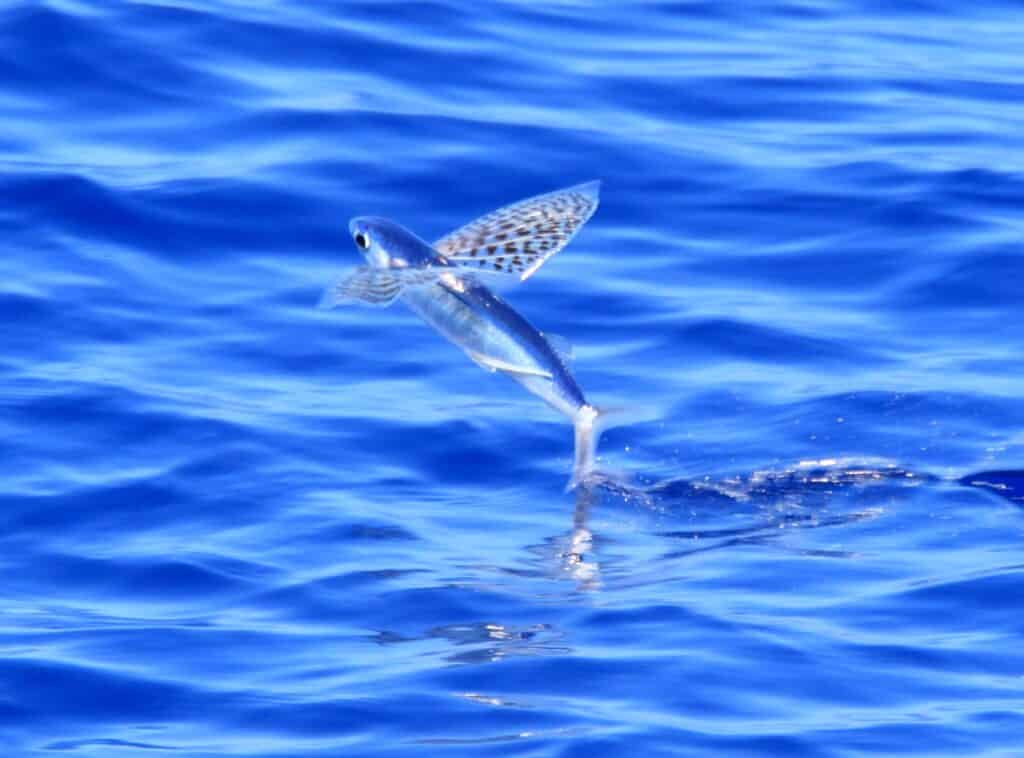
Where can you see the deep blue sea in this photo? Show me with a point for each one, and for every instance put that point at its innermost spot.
(232, 524)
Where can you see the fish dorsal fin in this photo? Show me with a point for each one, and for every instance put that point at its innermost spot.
(370, 285)
(519, 238)
(561, 346)
(496, 364)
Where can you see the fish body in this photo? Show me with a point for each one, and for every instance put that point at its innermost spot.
(444, 284)
(497, 337)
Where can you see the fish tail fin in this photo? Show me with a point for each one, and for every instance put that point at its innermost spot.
(589, 423)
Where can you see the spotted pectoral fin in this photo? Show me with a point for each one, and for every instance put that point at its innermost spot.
(369, 285)
(519, 238)
(496, 364)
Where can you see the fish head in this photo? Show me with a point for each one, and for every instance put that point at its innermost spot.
(386, 244)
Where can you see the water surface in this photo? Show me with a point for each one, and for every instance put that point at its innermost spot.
(236, 525)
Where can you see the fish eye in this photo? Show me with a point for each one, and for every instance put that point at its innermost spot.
(362, 241)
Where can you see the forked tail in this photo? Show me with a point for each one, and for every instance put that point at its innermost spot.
(589, 423)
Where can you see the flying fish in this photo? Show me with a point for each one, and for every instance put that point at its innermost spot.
(446, 284)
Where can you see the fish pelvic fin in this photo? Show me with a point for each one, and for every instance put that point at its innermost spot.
(496, 364)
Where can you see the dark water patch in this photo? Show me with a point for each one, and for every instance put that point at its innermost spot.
(86, 744)
(985, 280)
(87, 694)
(39, 40)
(181, 221)
(144, 504)
(982, 600)
(145, 580)
(240, 214)
(1005, 484)
(737, 339)
(984, 90)
(985, 187)
(81, 205)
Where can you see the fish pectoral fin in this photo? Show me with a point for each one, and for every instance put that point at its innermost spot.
(364, 285)
(369, 285)
(516, 240)
(496, 364)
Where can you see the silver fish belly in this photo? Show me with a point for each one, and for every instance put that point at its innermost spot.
(494, 335)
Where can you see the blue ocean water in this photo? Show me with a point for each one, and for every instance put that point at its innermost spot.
(233, 524)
